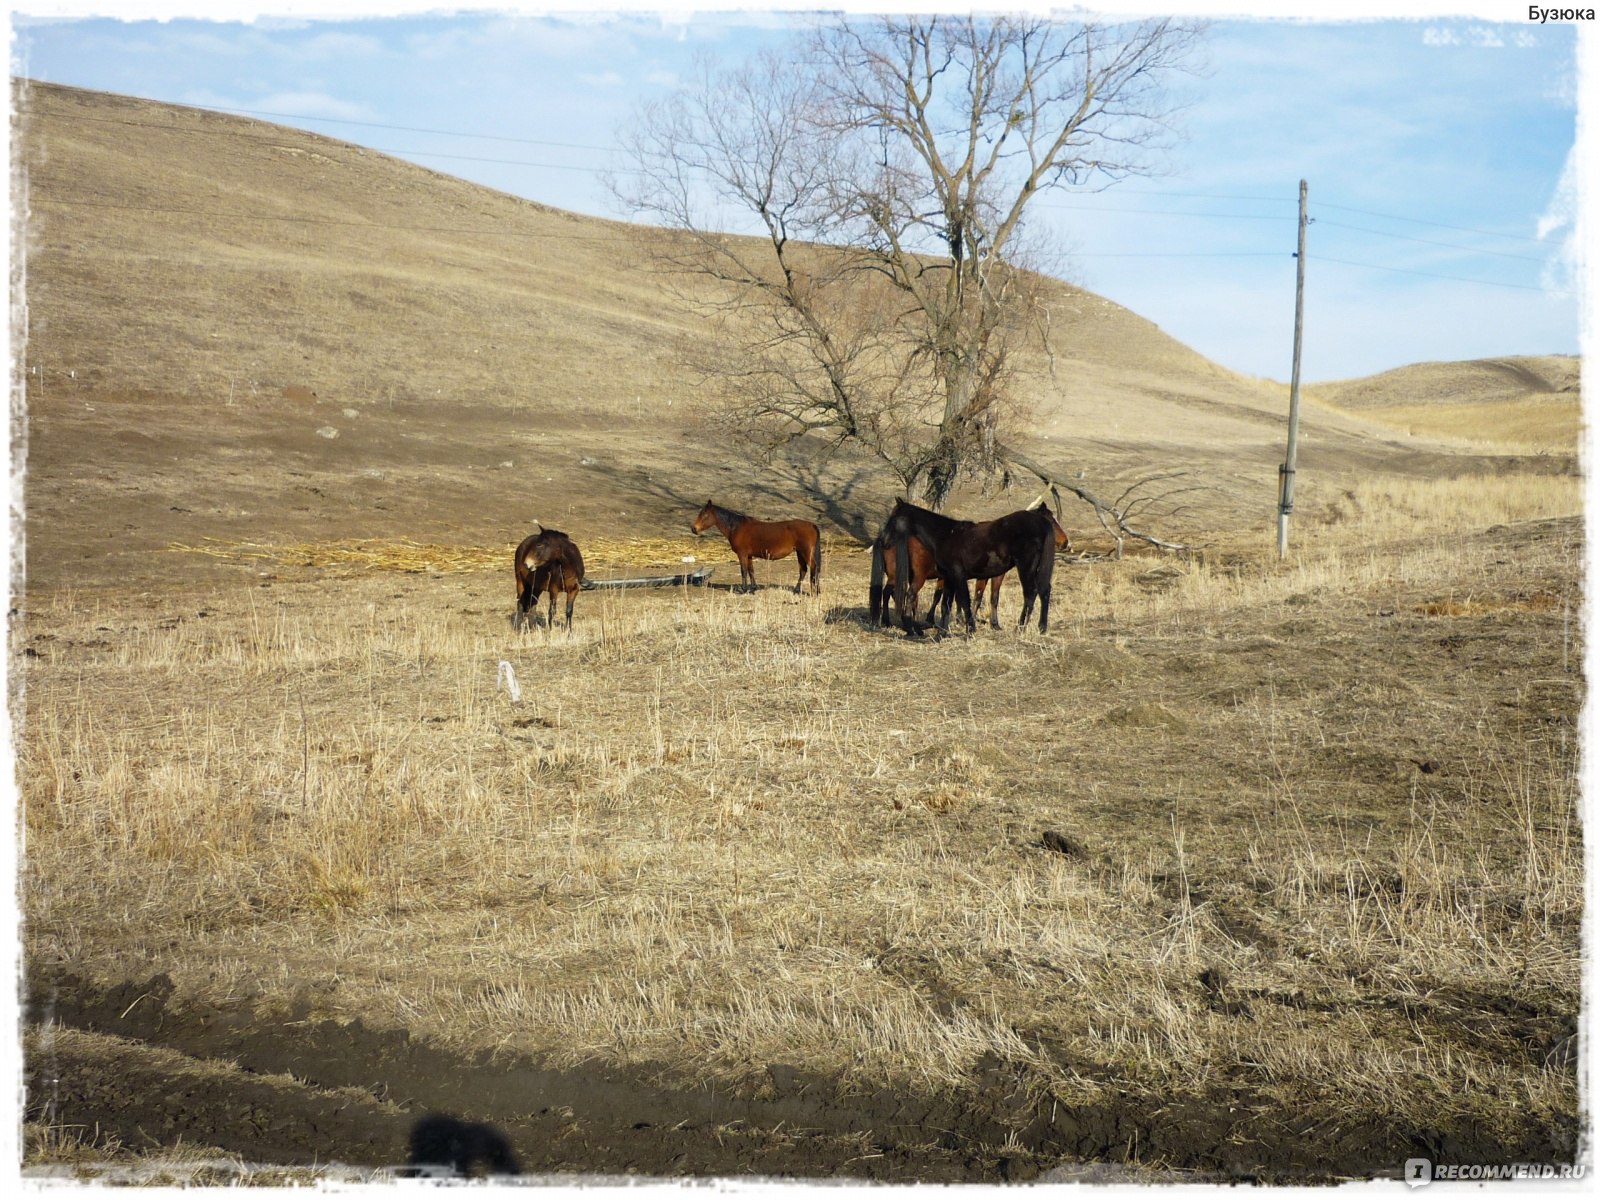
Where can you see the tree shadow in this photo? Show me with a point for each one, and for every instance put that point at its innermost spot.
(799, 473)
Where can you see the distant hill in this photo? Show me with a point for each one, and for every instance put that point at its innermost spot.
(1532, 401)
(230, 322)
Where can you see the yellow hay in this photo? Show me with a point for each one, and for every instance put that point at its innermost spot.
(376, 554)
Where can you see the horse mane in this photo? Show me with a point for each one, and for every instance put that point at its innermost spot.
(734, 519)
(939, 520)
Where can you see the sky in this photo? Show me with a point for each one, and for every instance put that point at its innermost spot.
(1438, 151)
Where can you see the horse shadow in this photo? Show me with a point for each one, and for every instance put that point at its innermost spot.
(445, 1147)
(860, 616)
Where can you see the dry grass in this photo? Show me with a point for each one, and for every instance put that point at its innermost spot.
(722, 832)
(1550, 426)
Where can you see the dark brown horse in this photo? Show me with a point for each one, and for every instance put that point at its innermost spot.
(547, 562)
(964, 550)
(752, 539)
(1063, 542)
(883, 576)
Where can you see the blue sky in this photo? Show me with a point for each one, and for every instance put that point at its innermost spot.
(1437, 149)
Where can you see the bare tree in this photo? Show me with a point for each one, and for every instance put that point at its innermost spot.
(890, 173)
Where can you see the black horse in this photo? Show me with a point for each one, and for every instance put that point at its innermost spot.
(964, 550)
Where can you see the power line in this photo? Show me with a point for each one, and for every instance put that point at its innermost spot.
(1429, 241)
(1186, 254)
(1068, 206)
(1208, 196)
(1516, 237)
(1525, 287)
(508, 162)
(492, 137)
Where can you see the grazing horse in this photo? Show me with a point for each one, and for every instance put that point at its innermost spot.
(752, 539)
(922, 570)
(1063, 542)
(964, 550)
(546, 562)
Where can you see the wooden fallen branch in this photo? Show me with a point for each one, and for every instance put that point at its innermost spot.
(1116, 516)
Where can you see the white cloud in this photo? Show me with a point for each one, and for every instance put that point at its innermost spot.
(1560, 216)
(339, 46)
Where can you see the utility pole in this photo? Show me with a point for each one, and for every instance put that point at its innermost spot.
(1286, 471)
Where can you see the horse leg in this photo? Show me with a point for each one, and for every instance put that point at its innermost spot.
(800, 557)
(1041, 588)
(958, 584)
(994, 601)
(525, 603)
(747, 573)
(572, 598)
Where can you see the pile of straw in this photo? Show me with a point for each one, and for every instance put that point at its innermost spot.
(376, 554)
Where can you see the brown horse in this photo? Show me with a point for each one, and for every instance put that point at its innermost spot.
(752, 539)
(964, 550)
(883, 577)
(547, 562)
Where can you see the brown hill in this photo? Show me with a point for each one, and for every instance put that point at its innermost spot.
(239, 330)
(1529, 402)
(1480, 381)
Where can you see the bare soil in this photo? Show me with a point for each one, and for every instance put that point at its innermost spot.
(304, 1092)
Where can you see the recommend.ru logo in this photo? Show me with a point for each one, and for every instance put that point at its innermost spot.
(1419, 1171)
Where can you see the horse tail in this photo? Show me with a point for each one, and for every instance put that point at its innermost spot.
(816, 560)
(875, 594)
(902, 575)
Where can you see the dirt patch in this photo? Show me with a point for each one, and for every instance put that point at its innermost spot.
(300, 1092)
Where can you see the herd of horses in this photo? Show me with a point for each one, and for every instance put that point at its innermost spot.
(916, 545)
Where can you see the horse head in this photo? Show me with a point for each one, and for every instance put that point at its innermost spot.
(706, 519)
(1063, 542)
